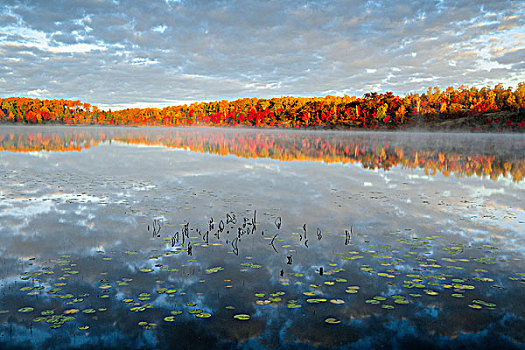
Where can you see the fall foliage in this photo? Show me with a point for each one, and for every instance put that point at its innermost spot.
(485, 108)
(370, 152)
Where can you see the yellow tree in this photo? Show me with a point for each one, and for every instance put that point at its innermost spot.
(520, 96)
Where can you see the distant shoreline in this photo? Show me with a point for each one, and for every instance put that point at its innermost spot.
(487, 109)
(453, 126)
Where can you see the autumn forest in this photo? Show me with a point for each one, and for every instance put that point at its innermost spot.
(488, 108)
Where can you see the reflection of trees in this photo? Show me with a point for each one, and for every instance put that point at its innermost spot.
(54, 142)
(373, 153)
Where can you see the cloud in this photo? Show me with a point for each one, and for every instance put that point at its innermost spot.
(37, 92)
(128, 52)
(512, 56)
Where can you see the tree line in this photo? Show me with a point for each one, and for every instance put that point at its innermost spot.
(488, 107)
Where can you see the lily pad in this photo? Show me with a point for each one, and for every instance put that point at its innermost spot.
(71, 311)
(331, 320)
(315, 300)
(241, 317)
(401, 301)
(26, 309)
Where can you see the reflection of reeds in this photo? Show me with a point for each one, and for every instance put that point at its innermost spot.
(175, 239)
(156, 228)
(220, 229)
(247, 227)
(231, 219)
(348, 235)
(272, 243)
(235, 247)
(278, 222)
(304, 230)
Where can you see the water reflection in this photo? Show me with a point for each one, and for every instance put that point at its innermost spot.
(461, 154)
(119, 245)
(397, 291)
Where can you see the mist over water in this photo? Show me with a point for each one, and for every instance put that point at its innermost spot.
(318, 238)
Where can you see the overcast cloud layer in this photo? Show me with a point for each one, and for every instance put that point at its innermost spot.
(162, 52)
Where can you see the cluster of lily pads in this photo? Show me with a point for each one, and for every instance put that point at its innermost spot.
(415, 266)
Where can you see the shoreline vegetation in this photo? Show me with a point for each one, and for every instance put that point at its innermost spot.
(465, 108)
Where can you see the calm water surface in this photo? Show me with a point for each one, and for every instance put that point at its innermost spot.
(221, 238)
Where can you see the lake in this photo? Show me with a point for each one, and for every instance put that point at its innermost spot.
(220, 238)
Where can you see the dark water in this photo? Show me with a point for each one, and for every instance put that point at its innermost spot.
(168, 238)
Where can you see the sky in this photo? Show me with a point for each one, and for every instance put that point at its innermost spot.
(133, 53)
